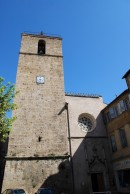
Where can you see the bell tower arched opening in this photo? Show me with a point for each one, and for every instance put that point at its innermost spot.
(41, 47)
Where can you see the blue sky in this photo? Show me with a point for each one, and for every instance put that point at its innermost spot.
(96, 40)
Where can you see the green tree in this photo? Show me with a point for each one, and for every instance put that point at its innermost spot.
(7, 93)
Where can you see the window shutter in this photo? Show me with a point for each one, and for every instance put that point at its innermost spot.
(113, 143)
(123, 138)
(122, 105)
(112, 113)
(119, 109)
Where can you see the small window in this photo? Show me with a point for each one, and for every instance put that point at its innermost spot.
(41, 47)
(112, 112)
(123, 138)
(113, 143)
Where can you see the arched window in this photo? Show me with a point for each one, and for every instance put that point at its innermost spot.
(41, 47)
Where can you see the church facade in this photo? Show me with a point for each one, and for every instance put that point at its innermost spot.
(58, 140)
(90, 150)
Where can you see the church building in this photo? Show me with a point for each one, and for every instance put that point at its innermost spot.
(58, 140)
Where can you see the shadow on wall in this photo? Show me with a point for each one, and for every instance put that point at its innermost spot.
(89, 155)
(89, 168)
(60, 183)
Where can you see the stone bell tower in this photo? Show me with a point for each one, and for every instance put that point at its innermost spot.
(38, 142)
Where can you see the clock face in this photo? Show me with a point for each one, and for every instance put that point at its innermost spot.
(40, 79)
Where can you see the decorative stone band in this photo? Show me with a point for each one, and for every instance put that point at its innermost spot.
(38, 158)
(47, 55)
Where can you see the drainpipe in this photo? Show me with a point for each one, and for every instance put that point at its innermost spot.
(70, 148)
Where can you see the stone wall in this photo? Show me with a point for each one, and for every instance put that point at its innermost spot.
(40, 130)
(33, 174)
(90, 150)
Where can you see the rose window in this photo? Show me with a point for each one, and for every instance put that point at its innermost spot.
(86, 122)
